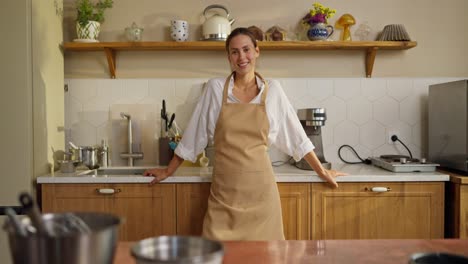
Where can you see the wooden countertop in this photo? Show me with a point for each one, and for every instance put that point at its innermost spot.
(455, 177)
(323, 251)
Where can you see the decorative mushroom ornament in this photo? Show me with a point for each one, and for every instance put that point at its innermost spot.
(345, 22)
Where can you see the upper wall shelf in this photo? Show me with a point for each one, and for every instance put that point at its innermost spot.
(370, 47)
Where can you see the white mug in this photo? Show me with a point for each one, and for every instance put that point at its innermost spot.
(179, 36)
(179, 24)
(179, 30)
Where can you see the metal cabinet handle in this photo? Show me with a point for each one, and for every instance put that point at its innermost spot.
(108, 191)
(379, 189)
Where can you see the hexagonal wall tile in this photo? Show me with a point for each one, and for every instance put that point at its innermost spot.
(372, 135)
(102, 132)
(399, 88)
(402, 130)
(82, 89)
(413, 109)
(134, 91)
(420, 135)
(110, 91)
(359, 110)
(295, 88)
(72, 109)
(386, 111)
(347, 88)
(327, 136)
(346, 133)
(83, 134)
(320, 89)
(189, 90)
(161, 89)
(373, 89)
(335, 109)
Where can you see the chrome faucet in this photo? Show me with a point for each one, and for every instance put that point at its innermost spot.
(130, 155)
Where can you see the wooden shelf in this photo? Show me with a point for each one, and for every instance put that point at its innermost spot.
(111, 48)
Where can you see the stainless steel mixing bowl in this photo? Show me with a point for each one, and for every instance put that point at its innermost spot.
(178, 249)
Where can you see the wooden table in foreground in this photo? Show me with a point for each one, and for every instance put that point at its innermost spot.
(323, 251)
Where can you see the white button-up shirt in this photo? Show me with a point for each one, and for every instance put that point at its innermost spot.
(286, 132)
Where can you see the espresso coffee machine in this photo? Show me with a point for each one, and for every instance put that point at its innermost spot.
(312, 119)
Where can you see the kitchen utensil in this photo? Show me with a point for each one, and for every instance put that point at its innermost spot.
(178, 249)
(69, 223)
(170, 121)
(90, 157)
(72, 247)
(216, 27)
(164, 117)
(204, 161)
(31, 209)
(18, 227)
(76, 152)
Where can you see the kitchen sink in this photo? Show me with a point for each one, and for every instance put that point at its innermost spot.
(114, 172)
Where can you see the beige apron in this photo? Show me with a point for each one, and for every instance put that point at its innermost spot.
(244, 200)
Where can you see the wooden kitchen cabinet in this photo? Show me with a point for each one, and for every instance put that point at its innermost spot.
(146, 210)
(456, 207)
(354, 211)
(192, 202)
(295, 206)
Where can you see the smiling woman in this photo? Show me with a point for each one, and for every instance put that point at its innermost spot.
(241, 115)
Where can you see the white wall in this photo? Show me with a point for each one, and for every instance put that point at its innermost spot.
(366, 109)
(439, 28)
(48, 77)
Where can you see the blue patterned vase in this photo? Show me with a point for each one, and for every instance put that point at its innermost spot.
(320, 31)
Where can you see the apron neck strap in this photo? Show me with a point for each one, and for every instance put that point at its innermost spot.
(228, 79)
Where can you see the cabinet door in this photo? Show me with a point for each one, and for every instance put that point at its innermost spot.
(192, 202)
(295, 204)
(147, 210)
(456, 209)
(354, 211)
(75, 198)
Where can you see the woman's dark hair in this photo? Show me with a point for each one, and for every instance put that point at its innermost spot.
(240, 31)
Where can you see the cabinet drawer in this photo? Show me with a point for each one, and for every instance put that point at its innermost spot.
(78, 190)
(133, 190)
(378, 211)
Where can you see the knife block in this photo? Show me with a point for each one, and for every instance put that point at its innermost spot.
(165, 152)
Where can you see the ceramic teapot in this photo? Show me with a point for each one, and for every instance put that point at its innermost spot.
(216, 27)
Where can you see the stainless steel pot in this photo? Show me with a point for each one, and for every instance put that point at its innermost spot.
(89, 157)
(178, 249)
(71, 247)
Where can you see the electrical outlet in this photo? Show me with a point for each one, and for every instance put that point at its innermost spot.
(390, 134)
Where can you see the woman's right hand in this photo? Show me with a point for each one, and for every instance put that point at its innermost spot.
(158, 174)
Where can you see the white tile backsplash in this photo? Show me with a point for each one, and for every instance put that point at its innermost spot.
(361, 112)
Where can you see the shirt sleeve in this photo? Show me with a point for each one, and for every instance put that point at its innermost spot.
(195, 137)
(286, 131)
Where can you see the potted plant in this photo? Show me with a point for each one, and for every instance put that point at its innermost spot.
(89, 18)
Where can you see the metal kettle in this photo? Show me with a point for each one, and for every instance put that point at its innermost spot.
(216, 27)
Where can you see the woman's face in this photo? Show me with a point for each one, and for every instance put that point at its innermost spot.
(242, 54)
